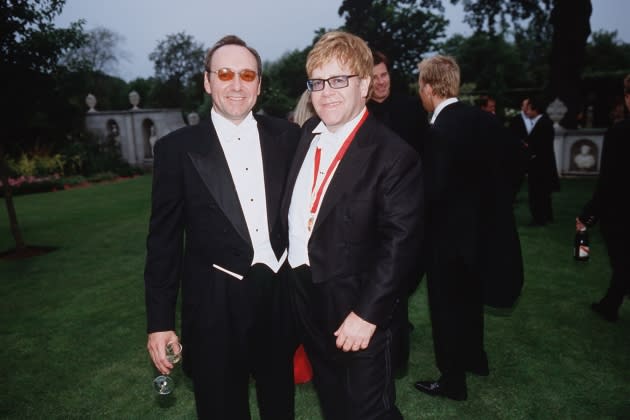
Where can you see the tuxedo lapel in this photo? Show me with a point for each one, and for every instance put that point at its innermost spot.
(347, 173)
(215, 173)
(273, 175)
(300, 153)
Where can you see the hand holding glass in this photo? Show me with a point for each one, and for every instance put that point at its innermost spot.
(164, 384)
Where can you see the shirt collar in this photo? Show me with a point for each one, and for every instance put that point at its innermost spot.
(227, 129)
(441, 106)
(536, 118)
(342, 133)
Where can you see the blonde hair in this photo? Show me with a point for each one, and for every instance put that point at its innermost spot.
(348, 49)
(304, 109)
(442, 73)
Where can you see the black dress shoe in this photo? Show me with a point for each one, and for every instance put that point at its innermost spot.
(605, 312)
(437, 389)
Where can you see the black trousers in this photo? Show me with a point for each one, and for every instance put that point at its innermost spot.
(539, 197)
(353, 385)
(456, 306)
(252, 338)
(616, 239)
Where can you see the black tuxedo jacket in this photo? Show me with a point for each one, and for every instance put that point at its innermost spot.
(197, 221)
(518, 129)
(542, 169)
(405, 115)
(365, 241)
(469, 191)
(609, 202)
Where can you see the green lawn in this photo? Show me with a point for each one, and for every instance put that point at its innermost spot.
(73, 326)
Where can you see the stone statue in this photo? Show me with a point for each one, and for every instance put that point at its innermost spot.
(152, 137)
(193, 118)
(585, 159)
(134, 99)
(90, 101)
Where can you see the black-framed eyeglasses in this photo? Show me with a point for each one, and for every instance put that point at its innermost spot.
(335, 82)
(226, 74)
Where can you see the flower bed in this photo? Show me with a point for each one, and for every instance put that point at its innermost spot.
(31, 184)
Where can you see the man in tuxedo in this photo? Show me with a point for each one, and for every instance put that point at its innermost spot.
(474, 254)
(610, 208)
(215, 231)
(519, 128)
(542, 174)
(353, 206)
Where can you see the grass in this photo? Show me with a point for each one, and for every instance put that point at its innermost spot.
(73, 342)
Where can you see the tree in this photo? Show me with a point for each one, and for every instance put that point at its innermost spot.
(563, 22)
(497, 17)
(30, 48)
(100, 52)
(404, 30)
(283, 82)
(606, 53)
(571, 27)
(178, 63)
(606, 64)
(490, 63)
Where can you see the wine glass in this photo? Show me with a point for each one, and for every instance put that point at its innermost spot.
(164, 384)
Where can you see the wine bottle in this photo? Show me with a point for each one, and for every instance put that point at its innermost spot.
(581, 249)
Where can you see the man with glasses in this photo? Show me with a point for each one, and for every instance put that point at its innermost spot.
(353, 204)
(215, 231)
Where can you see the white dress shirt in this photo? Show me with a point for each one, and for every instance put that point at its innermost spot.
(440, 107)
(303, 193)
(241, 146)
(533, 123)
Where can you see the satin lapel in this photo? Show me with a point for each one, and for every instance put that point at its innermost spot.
(215, 173)
(347, 173)
(272, 175)
(296, 165)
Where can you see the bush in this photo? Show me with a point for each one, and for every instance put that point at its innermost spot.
(89, 156)
(36, 165)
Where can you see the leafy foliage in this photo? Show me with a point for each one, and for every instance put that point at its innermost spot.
(30, 47)
(99, 52)
(606, 53)
(178, 57)
(404, 30)
(494, 66)
(178, 63)
(497, 17)
(283, 82)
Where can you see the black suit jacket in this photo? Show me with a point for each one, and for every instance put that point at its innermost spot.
(366, 237)
(542, 170)
(469, 190)
(405, 115)
(197, 221)
(609, 202)
(518, 129)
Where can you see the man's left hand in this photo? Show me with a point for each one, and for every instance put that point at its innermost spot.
(354, 334)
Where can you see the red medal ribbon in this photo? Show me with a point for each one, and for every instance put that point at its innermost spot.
(335, 161)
